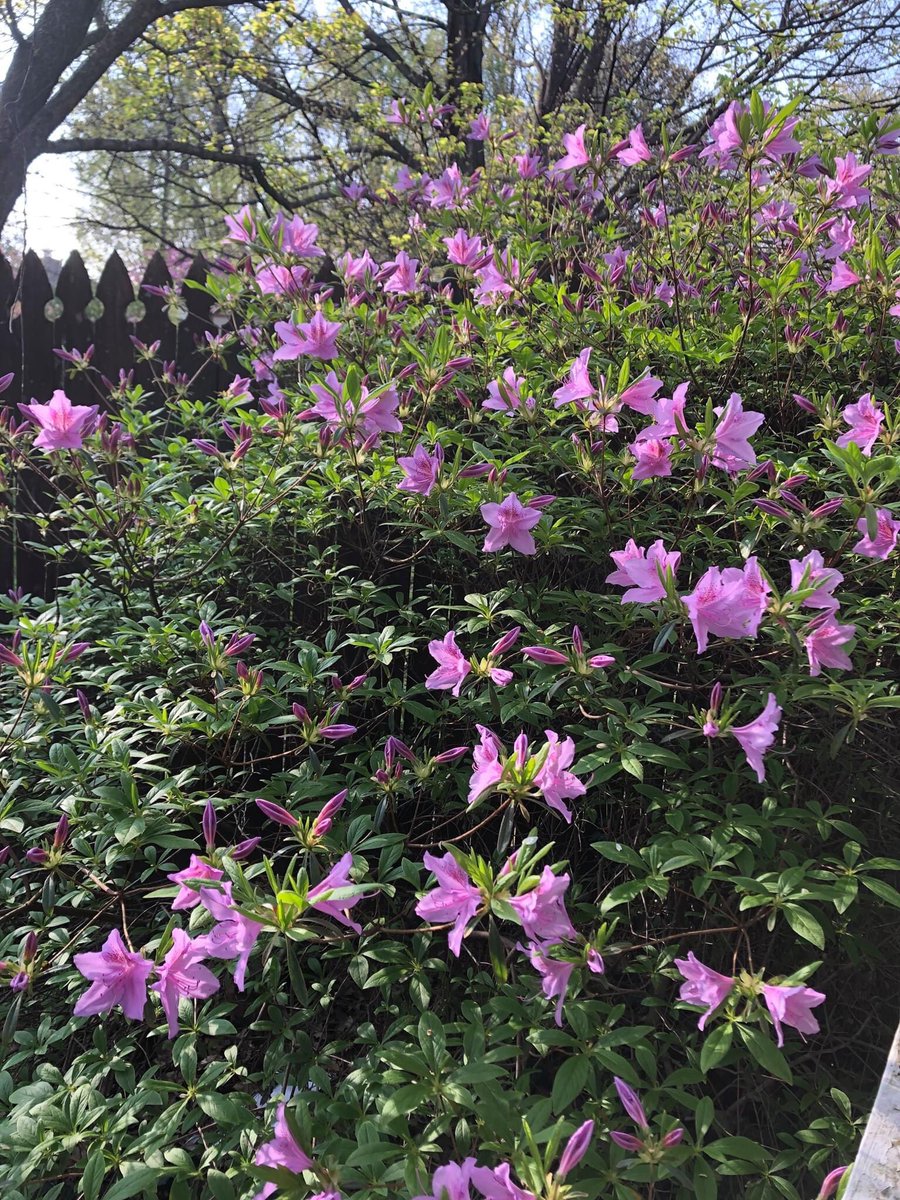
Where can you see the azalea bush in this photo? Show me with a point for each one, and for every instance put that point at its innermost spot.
(459, 758)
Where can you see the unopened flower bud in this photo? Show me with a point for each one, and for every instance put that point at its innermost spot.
(506, 642)
(245, 849)
(276, 813)
(576, 1148)
(452, 755)
(208, 825)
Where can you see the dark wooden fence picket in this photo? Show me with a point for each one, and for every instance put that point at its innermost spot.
(36, 318)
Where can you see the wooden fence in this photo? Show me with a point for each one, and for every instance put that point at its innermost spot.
(36, 318)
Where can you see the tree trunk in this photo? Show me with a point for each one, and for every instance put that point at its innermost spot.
(466, 23)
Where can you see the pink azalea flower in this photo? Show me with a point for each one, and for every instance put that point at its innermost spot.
(841, 277)
(420, 469)
(355, 270)
(118, 976)
(791, 1006)
(510, 522)
(378, 413)
(506, 394)
(727, 603)
(338, 877)
(823, 645)
(733, 451)
(316, 338)
(479, 128)
(282, 1151)
(845, 187)
(637, 150)
(456, 898)
(495, 283)
(758, 735)
(488, 768)
(297, 237)
(865, 419)
(555, 782)
(197, 868)
(182, 974)
(667, 413)
(453, 665)
(639, 395)
(451, 1182)
(463, 250)
(542, 911)
(63, 425)
(404, 280)
(578, 386)
(576, 153)
(652, 458)
(841, 236)
(242, 225)
(823, 579)
(885, 540)
(702, 985)
(233, 935)
(555, 976)
(496, 1184)
(643, 571)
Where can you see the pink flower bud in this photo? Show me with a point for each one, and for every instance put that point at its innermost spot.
(452, 755)
(829, 507)
(802, 402)
(300, 712)
(238, 642)
(276, 813)
(672, 1138)
(208, 825)
(546, 656)
(83, 704)
(207, 635)
(476, 470)
(772, 509)
(520, 748)
(576, 1148)
(829, 1183)
(19, 981)
(631, 1103)
(507, 641)
(356, 682)
(37, 856)
(541, 501)
(594, 962)
(598, 661)
(393, 746)
(4, 855)
(334, 733)
(61, 832)
(245, 849)
(577, 640)
(626, 1141)
(75, 651)
(29, 949)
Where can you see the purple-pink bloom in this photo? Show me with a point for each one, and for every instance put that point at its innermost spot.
(823, 645)
(233, 935)
(823, 579)
(578, 386)
(865, 419)
(63, 425)
(463, 250)
(576, 153)
(845, 188)
(488, 769)
(636, 150)
(118, 975)
(640, 396)
(479, 128)
(733, 451)
(643, 571)
(182, 974)
(702, 985)
(556, 783)
(727, 603)
(885, 539)
(316, 338)
(496, 1184)
(337, 877)
(281, 1151)
(404, 278)
(505, 394)
(653, 458)
(542, 911)
(841, 277)
(758, 735)
(242, 225)
(510, 522)
(453, 665)
(555, 976)
(197, 868)
(420, 469)
(456, 898)
(791, 1006)
(451, 1182)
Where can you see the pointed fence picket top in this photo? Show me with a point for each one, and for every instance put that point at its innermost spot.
(34, 330)
(197, 324)
(73, 328)
(115, 292)
(154, 325)
(10, 347)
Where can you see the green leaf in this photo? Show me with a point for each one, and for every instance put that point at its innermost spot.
(766, 1053)
(138, 1179)
(406, 1100)
(736, 1147)
(219, 1184)
(882, 890)
(570, 1082)
(221, 1108)
(805, 924)
(94, 1174)
(716, 1046)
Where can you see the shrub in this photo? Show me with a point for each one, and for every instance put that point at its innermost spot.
(474, 725)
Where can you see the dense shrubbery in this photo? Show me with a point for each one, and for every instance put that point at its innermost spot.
(568, 571)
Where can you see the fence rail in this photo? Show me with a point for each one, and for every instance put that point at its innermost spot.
(36, 318)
